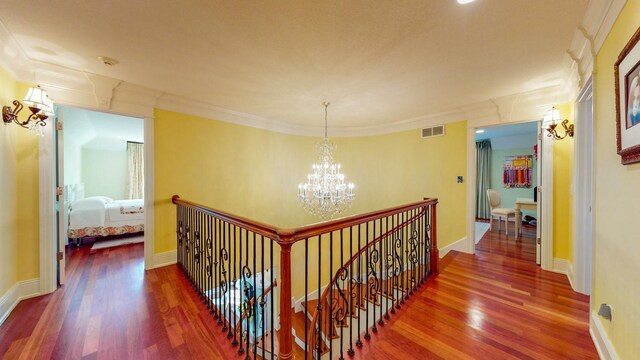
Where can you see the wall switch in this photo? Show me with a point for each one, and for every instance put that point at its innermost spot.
(459, 179)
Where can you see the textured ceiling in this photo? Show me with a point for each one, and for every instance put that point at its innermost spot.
(377, 62)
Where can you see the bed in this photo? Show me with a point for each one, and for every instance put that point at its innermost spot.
(98, 216)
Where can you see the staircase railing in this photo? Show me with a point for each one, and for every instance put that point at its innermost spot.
(350, 273)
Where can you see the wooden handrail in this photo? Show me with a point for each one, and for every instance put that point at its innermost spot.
(255, 226)
(292, 236)
(305, 232)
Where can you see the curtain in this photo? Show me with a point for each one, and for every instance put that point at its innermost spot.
(483, 178)
(135, 183)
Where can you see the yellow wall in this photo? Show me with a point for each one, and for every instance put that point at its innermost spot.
(254, 173)
(616, 240)
(8, 189)
(18, 194)
(562, 194)
(28, 198)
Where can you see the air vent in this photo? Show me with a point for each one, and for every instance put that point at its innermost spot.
(437, 130)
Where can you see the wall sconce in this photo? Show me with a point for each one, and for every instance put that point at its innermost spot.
(40, 105)
(551, 121)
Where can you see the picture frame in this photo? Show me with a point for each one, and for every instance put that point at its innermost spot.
(627, 88)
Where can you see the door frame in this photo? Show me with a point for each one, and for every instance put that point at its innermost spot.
(545, 197)
(47, 198)
(583, 198)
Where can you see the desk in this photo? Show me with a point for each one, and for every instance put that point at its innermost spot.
(525, 204)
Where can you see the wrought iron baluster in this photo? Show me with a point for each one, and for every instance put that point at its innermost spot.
(216, 253)
(413, 254)
(197, 253)
(387, 266)
(419, 280)
(209, 264)
(330, 322)
(367, 300)
(372, 275)
(428, 240)
(232, 274)
(345, 301)
(352, 309)
(318, 324)
(397, 253)
(187, 241)
(380, 321)
(306, 297)
(407, 283)
(179, 234)
(243, 297)
(224, 282)
(263, 296)
(374, 289)
(271, 294)
(359, 283)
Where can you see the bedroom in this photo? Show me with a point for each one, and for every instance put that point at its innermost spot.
(102, 179)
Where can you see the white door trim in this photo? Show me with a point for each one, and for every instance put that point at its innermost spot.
(583, 198)
(545, 191)
(47, 215)
(47, 211)
(149, 194)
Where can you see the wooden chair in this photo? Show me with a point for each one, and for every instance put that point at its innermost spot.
(495, 203)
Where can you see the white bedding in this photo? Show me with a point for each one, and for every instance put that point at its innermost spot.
(102, 216)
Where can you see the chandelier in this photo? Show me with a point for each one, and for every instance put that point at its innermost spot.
(325, 193)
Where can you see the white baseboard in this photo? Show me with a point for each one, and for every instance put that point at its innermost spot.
(165, 258)
(460, 245)
(563, 266)
(19, 291)
(600, 339)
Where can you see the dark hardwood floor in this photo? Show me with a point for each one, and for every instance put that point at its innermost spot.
(483, 306)
(496, 242)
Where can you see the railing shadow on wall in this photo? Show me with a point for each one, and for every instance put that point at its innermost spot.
(313, 292)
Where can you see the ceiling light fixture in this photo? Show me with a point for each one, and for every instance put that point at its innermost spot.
(462, 2)
(325, 193)
(108, 61)
(551, 121)
(479, 131)
(41, 108)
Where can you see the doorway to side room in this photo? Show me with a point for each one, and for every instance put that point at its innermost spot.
(507, 164)
(100, 181)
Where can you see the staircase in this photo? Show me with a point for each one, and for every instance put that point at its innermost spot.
(356, 273)
(356, 313)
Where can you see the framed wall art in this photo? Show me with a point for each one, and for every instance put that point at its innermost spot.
(517, 171)
(627, 77)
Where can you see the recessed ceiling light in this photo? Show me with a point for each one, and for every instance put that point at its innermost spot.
(465, 1)
(479, 131)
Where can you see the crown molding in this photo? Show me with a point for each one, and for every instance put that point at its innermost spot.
(198, 108)
(588, 39)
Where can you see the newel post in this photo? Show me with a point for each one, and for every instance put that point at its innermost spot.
(435, 253)
(285, 335)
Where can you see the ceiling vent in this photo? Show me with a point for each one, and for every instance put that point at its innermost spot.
(437, 130)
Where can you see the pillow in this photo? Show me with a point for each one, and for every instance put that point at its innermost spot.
(93, 202)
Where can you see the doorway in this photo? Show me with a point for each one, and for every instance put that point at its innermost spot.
(507, 166)
(100, 181)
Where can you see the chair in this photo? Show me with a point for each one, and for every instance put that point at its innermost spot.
(495, 203)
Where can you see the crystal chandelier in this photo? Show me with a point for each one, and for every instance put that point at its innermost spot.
(325, 193)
